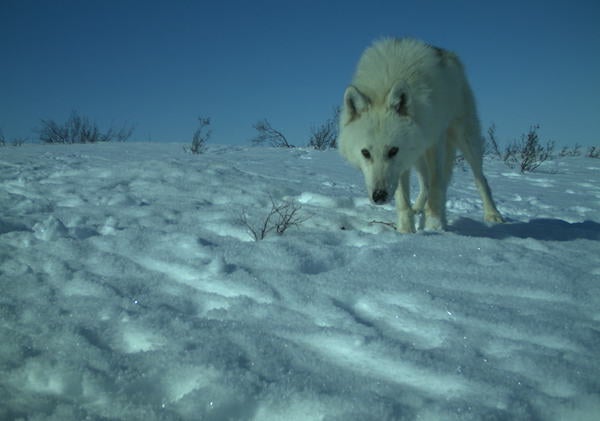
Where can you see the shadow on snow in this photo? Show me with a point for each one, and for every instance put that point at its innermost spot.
(539, 229)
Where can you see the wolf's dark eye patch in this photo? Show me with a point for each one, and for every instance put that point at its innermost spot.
(392, 152)
(366, 153)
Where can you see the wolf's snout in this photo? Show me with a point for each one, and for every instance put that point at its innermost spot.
(380, 196)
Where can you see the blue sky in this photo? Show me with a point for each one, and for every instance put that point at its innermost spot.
(160, 65)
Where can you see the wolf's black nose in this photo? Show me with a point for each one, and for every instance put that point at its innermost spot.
(379, 196)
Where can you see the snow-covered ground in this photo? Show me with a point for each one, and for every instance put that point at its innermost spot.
(131, 290)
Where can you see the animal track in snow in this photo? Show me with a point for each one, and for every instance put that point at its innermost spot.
(400, 318)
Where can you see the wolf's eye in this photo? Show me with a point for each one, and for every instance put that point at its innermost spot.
(366, 153)
(392, 152)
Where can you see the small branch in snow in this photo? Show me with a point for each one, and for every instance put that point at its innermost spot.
(389, 224)
(279, 219)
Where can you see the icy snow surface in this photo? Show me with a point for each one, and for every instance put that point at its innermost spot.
(131, 290)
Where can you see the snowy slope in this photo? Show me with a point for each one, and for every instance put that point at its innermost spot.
(131, 290)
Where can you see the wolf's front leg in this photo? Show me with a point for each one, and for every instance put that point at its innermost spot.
(435, 219)
(422, 176)
(406, 218)
(435, 207)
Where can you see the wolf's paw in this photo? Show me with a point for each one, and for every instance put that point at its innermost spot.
(494, 217)
(406, 222)
(434, 223)
(405, 230)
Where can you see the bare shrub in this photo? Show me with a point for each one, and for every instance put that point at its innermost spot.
(491, 144)
(528, 154)
(199, 139)
(325, 136)
(281, 217)
(510, 154)
(17, 141)
(460, 162)
(267, 134)
(570, 151)
(80, 129)
(593, 152)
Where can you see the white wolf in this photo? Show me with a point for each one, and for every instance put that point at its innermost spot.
(410, 105)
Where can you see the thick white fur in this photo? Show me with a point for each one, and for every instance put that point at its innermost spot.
(409, 97)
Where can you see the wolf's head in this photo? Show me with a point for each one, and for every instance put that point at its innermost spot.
(381, 138)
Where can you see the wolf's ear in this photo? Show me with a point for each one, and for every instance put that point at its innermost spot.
(398, 99)
(354, 104)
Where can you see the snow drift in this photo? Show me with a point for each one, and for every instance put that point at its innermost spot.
(131, 289)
